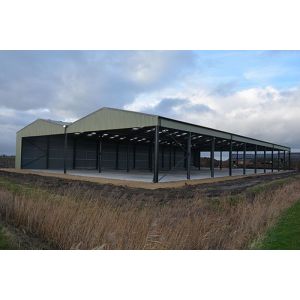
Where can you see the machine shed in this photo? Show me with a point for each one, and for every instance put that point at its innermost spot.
(115, 139)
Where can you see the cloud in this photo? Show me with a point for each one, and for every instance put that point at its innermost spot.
(263, 113)
(233, 91)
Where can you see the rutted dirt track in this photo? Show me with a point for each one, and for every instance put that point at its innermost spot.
(187, 191)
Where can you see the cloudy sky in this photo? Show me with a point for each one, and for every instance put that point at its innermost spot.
(253, 93)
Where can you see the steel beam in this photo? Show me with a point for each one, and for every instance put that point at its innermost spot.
(212, 157)
(188, 158)
(156, 155)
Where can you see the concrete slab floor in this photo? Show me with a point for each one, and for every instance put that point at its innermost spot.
(147, 176)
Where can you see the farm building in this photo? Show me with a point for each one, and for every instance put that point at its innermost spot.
(138, 145)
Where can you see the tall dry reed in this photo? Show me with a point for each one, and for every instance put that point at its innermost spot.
(69, 222)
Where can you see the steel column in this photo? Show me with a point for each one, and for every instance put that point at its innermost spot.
(74, 153)
(221, 160)
(199, 160)
(230, 159)
(170, 157)
(127, 158)
(174, 157)
(150, 157)
(278, 159)
(134, 155)
(162, 157)
(255, 160)
(289, 162)
(47, 152)
(188, 157)
(100, 156)
(156, 155)
(265, 160)
(244, 159)
(212, 157)
(117, 156)
(284, 161)
(237, 158)
(97, 151)
(272, 158)
(65, 148)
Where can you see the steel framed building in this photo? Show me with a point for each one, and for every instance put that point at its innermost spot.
(124, 140)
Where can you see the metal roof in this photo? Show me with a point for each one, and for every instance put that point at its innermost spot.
(111, 118)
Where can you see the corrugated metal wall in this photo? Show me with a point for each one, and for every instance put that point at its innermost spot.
(114, 156)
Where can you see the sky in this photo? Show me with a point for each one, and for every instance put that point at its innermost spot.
(252, 93)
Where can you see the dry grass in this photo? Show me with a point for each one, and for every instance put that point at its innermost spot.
(73, 222)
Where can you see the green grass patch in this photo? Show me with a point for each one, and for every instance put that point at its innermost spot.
(275, 184)
(4, 242)
(285, 235)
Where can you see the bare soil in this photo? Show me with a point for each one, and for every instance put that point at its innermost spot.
(212, 188)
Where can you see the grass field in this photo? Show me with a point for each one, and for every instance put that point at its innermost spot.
(4, 242)
(77, 218)
(285, 235)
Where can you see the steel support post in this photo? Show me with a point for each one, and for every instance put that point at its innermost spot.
(212, 157)
(289, 162)
(117, 156)
(272, 158)
(174, 157)
(221, 159)
(97, 151)
(265, 160)
(127, 158)
(244, 159)
(100, 156)
(278, 159)
(162, 157)
(237, 159)
(199, 160)
(156, 155)
(230, 158)
(74, 153)
(284, 161)
(65, 148)
(255, 160)
(134, 155)
(150, 157)
(47, 152)
(188, 158)
(170, 157)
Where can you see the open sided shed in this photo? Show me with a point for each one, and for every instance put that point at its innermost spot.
(124, 140)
